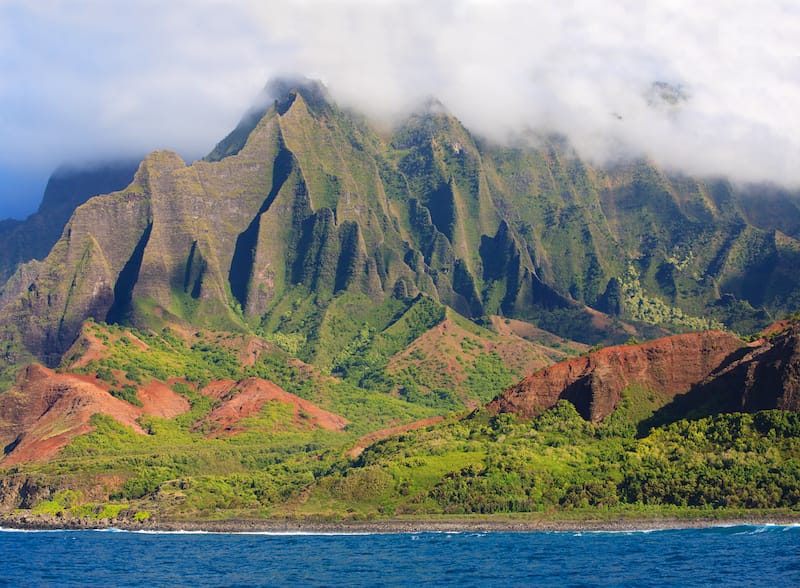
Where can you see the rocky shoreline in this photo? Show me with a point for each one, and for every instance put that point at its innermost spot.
(24, 521)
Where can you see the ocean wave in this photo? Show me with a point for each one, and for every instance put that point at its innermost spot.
(733, 528)
(622, 531)
(765, 528)
(738, 527)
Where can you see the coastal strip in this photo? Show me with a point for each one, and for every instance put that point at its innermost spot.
(24, 521)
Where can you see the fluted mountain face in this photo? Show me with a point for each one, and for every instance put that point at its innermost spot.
(67, 188)
(309, 222)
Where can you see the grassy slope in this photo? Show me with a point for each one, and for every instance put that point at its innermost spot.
(273, 450)
(193, 475)
(557, 465)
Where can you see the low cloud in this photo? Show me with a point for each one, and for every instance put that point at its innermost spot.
(112, 79)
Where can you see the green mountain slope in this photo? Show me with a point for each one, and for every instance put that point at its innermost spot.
(295, 215)
(247, 431)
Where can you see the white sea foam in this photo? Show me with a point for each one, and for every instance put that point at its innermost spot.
(746, 529)
(306, 533)
(758, 529)
(627, 531)
(261, 533)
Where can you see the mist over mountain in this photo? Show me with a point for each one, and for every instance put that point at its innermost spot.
(67, 188)
(92, 82)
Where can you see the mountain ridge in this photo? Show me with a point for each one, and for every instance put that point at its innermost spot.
(316, 284)
(260, 223)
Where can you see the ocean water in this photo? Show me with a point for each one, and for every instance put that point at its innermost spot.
(720, 556)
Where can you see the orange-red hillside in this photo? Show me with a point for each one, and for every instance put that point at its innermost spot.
(594, 383)
(246, 398)
(45, 410)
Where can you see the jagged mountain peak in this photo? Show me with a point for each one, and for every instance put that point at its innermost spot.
(305, 203)
(279, 88)
(278, 96)
(366, 280)
(432, 117)
(431, 106)
(164, 160)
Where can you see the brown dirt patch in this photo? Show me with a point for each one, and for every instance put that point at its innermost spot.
(93, 349)
(160, 400)
(218, 389)
(45, 410)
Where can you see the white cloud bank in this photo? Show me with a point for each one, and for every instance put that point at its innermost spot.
(92, 79)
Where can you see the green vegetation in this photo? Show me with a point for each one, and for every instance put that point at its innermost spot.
(71, 503)
(478, 464)
(366, 410)
(134, 356)
(61, 502)
(127, 393)
(364, 360)
(654, 311)
(559, 462)
(13, 356)
(488, 376)
(276, 463)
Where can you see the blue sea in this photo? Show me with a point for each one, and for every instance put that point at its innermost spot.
(719, 556)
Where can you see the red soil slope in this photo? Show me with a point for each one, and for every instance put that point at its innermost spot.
(160, 400)
(45, 410)
(594, 383)
(765, 375)
(246, 398)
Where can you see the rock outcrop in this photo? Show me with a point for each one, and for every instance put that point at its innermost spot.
(594, 383)
(765, 375)
(23, 491)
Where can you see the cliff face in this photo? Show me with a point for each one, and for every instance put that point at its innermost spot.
(305, 203)
(306, 206)
(594, 383)
(79, 277)
(21, 241)
(703, 373)
(766, 375)
(21, 491)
